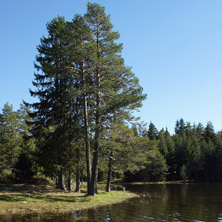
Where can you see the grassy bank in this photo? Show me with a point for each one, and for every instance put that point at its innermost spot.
(28, 199)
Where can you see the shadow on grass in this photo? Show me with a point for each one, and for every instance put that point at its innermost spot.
(36, 193)
(27, 188)
(33, 198)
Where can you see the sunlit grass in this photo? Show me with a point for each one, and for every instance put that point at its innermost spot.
(34, 199)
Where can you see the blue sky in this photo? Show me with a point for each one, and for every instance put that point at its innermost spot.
(174, 48)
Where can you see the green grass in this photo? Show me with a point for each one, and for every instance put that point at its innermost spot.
(26, 199)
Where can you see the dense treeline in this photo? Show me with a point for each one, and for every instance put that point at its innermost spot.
(193, 153)
(80, 125)
(17, 148)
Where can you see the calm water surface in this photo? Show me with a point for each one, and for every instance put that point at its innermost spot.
(171, 202)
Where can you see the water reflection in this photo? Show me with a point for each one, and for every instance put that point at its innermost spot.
(189, 202)
(185, 202)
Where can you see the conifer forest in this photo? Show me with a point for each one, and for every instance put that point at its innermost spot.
(80, 125)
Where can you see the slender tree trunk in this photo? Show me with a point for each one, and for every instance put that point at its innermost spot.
(77, 182)
(77, 189)
(96, 150)
(88, 160)
(86, 127)
(60, 181)
(98, 122)
(77, 172)
(69, 188)
(109, 171)
(93, 188)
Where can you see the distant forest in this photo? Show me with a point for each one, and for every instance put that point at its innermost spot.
(81, 125)
(136, 153)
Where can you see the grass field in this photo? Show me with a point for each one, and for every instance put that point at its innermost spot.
(28, 199)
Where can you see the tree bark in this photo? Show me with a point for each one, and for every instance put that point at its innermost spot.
(98, 122)
(77, 172)
(69, 181)
(109, 171)
(60, 181)
(86, 128)
(93, 187)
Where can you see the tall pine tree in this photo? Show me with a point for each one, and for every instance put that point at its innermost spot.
(51, 114)
(116, 90)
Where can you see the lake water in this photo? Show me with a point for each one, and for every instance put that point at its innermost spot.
(171, 202)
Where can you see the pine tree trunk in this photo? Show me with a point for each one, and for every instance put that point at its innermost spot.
(109, 172)
(77, 172)
(77, 182)
(60, 181)
(93, 187)
(88, 160)
(86, 127)
(69, 181)
(98, 122)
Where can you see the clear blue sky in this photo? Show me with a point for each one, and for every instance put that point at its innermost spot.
(174, 48)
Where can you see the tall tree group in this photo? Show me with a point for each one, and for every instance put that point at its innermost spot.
(83, 88)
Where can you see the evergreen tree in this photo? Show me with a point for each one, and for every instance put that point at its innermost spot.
(80, 37)
(180, 146)
(193, 149)
(180, 128)
(146, 162)
(117, 144)
(170, 156)
(10, 139)
(167, 149)
(162, 143)
(116, 90)
(51, 114)
(152, 132)
(25, 167)
(218, 158)
(209, 134)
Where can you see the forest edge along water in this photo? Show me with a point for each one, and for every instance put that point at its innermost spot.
(194, 202)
